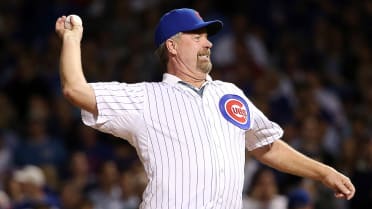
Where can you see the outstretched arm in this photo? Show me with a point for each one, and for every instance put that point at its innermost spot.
(281, 156)
(74, 85)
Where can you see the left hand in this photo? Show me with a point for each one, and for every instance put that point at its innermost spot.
(339, 183)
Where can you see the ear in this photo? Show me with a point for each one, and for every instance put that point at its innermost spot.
(171, 46)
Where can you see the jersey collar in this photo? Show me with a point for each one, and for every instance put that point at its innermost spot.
(172, 79)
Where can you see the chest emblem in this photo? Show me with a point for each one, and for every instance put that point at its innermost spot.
(235, 110)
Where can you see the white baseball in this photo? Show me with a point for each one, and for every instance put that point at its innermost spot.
(77, 21)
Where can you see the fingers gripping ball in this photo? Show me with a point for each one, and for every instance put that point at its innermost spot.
(76, 21)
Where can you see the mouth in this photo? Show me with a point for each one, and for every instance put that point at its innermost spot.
(204, 56)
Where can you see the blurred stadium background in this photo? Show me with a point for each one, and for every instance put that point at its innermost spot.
(306, 64)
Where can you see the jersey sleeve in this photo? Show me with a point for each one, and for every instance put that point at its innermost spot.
(119, 105)
(262, 131)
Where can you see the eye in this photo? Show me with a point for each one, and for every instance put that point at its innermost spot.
(197, 37)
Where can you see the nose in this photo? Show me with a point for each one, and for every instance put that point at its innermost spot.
(208, 43)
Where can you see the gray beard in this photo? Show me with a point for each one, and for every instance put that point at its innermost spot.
(205, 67)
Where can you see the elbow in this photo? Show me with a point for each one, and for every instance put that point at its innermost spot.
(81, 96)
(70, 94)
(264, 154)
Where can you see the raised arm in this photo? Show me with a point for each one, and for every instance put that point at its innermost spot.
(74, 85)
(281, 156)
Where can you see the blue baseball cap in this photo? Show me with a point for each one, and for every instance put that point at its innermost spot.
(183, 20)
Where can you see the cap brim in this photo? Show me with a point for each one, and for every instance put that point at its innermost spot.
(212, 27)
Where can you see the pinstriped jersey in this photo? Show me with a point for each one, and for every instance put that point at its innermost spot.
(191, 141)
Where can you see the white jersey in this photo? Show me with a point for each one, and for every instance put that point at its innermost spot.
(192, 143)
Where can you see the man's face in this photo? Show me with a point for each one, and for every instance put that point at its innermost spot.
(194, 50)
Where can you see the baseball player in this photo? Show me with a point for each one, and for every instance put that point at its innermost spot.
(190, 131)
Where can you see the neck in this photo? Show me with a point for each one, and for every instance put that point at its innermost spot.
(193, 81)
(194, 78)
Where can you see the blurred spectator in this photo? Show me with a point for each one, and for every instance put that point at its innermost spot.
(86, 204)
(27, 82)
(8, 118)
(95, 148)
(39, 148)
(129, 186)
(307, 64)
(362, 175)
(332, 109)
(79, 174)
(33, 188)
(4, 200)
(141, 181)
(247, 39)
(312, 139)
(250, 168)
(5, 158)
(63, 122)
(299, 199)
(107, 194)
(12, 188)
(125, 156)
(263, 192)
(71, 196)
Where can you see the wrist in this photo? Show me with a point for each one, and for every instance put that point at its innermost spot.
(324, 171)
(71, 38)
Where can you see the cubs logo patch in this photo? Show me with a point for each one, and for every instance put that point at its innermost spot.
(235, 110)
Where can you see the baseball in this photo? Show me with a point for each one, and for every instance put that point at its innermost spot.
(77, 21)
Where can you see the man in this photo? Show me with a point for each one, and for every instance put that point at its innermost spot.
(190, 132)
(33, 181)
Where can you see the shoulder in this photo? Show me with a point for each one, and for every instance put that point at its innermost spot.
(229, 89)
(117, 86)
(225, 84)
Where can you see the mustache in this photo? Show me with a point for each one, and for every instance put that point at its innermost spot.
(204, 52)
